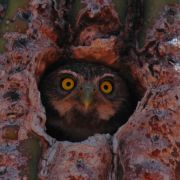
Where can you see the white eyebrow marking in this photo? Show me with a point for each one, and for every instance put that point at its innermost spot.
(68, 72)
(108, 74)
(103, 76)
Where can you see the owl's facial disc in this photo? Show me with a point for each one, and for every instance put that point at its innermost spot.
(85, 91)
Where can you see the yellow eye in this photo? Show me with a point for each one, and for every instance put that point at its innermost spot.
(68, 84)
(106, 87)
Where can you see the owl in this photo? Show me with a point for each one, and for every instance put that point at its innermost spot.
(82, 99)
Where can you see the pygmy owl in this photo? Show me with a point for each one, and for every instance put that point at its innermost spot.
(83, 99)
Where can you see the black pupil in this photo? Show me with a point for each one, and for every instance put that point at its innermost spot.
(106, 87)
(68, 84)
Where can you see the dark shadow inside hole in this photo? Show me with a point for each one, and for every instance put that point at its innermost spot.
(67, 118)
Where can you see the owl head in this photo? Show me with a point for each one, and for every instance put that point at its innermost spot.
(87, 98)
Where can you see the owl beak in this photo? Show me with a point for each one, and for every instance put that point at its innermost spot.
(87, 103)
(87, 100)
(87, 97)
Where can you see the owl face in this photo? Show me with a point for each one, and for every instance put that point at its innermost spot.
(84, 95)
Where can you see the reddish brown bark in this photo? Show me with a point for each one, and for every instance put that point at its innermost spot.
(146, 147)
